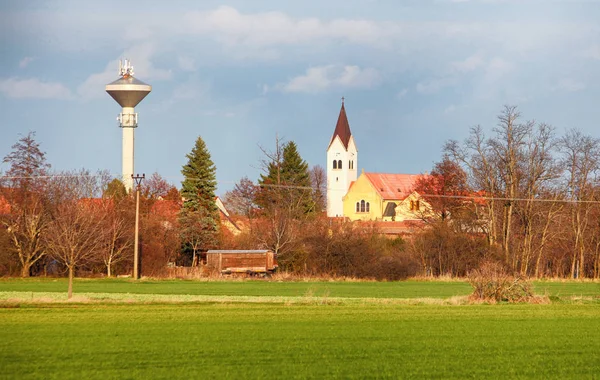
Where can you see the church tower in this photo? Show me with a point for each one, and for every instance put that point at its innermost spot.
(342, 161)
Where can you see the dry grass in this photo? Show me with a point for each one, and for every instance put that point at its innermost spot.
(13, 299)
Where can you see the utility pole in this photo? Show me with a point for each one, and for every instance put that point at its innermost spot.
(136, 258)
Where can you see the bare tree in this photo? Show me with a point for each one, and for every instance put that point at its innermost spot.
(507, 148)
(318, 177)
(118, 242)
(23, 187)
(476, 156)
(76, 235)
(538, 171)
(241, 200)
(581, 160)
(156, 187)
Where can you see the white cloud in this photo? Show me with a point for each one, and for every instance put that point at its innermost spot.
(321, 78)
(186, 63)
(402, 93)
(33, 88)
(140, 57)
(25, 61)
(435, 85)
(498, 68)
(277, 28)
(592, 52)
(469, 64)
(569, 85)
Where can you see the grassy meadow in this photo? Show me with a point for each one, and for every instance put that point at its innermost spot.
(356, 335)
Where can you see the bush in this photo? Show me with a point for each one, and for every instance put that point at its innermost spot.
(492, 283)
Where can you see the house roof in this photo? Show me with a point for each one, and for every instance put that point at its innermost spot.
(393, 186)
(342, 129)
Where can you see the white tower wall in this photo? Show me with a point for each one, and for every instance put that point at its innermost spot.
(128, 125)
(339, 180)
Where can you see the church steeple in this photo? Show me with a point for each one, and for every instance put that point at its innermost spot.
(342, 128)
(342, 160)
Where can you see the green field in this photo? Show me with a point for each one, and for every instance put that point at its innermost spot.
(296, 340)
(404, 289)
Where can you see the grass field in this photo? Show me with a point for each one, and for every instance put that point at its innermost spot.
(289, 340)
(404, 289)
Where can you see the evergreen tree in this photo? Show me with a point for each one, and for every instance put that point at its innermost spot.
(199, 215)
(115, 190)
(199, 184)
(287, 178)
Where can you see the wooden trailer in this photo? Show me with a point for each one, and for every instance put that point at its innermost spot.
(250, 262)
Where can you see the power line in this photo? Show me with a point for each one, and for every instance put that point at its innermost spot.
(466, 197)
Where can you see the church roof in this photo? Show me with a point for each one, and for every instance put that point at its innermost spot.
(393, 186)
(342, 129)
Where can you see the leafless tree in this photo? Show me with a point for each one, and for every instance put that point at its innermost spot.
(118, 242)
(23, 187)
(241, 200)
(76, 235)
(156, 187)
(581, 160)
(318, 177)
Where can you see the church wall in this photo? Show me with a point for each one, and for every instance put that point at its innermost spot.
(363, 190)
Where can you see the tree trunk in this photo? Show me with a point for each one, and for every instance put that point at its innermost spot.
(70, 291)
(26, 270)
(108, 271)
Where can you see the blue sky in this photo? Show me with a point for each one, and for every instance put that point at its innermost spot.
(414, 74)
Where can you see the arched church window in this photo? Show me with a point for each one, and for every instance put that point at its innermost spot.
(362, 206)
(339, 164)
(368, 207)
(357, 206)
(334, 164)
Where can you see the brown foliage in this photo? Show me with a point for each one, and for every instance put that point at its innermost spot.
(492, 283)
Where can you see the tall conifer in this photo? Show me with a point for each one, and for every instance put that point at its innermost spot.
(199, 184)
(199, 215)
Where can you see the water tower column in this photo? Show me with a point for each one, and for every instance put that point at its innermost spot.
(128, 123)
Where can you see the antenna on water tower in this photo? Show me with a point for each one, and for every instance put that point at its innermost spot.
(128, 92)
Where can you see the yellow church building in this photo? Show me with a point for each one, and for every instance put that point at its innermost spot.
(371, 196)
(385, 197)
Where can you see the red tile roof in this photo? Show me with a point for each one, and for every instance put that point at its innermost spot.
(393, 186)
(342, 128)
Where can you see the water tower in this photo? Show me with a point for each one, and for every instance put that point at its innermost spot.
(128, 92)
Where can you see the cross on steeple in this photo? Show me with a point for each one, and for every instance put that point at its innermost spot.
(343, 100)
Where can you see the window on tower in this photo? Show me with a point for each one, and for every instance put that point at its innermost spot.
(334, 164)
(339, 164)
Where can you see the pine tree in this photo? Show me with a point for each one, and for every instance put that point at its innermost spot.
(199, 215)
(199, 184)
(287, 178)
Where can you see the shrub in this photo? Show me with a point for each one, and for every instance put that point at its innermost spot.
(492, 283)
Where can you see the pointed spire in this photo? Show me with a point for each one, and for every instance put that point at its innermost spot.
(342, 128)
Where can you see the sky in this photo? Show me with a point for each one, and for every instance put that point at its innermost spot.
(414, 74)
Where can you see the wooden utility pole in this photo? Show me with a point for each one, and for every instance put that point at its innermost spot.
(136, 258)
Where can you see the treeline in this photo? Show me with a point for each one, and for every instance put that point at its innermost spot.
(524, 196)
